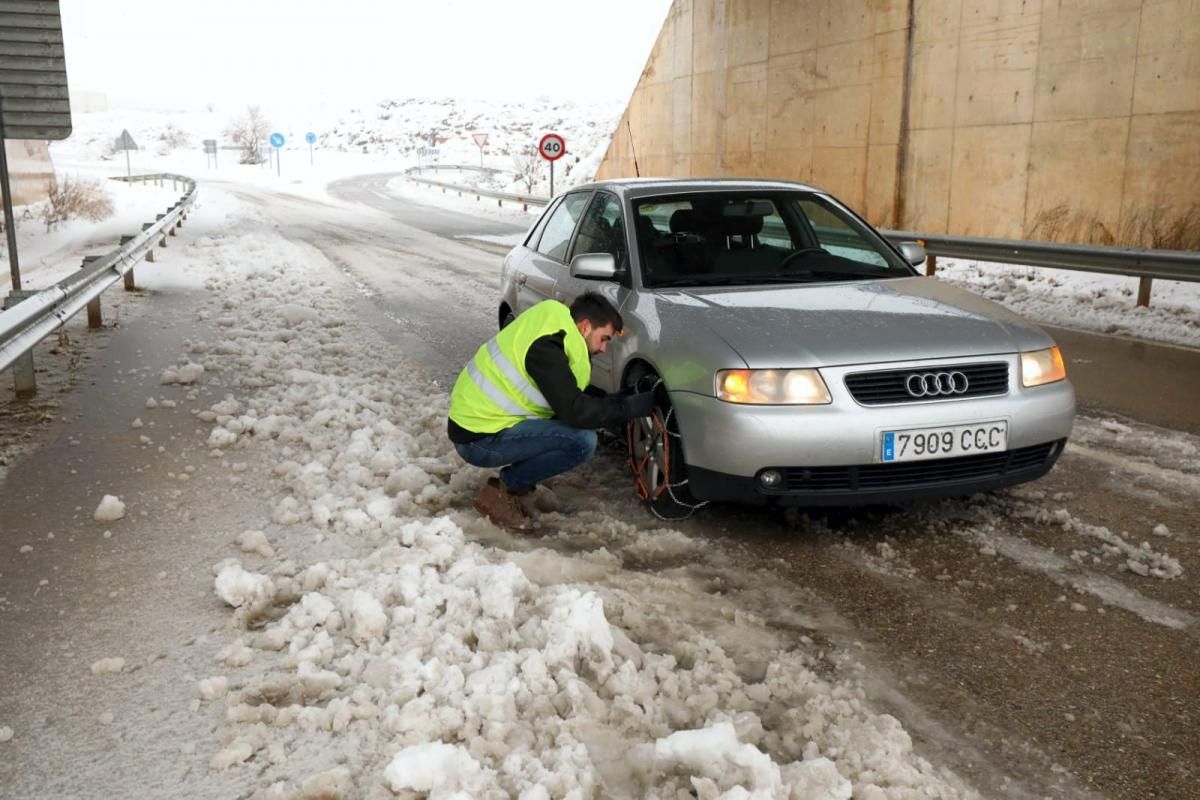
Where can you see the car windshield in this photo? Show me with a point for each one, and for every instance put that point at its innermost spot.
(742, 238)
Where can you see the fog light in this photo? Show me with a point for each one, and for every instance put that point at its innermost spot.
(770, 478)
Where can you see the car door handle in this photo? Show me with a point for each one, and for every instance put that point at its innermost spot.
(521, 278)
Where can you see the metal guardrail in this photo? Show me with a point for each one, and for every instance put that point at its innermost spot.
(30, 316)
(500, 197)
(1143, 263)
(1174, 265)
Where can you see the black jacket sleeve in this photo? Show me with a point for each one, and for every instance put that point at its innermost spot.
(546, 362)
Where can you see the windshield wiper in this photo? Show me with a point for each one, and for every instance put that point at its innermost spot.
(811, 276)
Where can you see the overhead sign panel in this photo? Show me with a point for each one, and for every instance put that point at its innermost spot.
(34, 101)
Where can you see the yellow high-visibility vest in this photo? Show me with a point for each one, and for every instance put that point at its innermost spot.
(494, 391)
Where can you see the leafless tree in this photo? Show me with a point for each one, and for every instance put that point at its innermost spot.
(528, 167)
(248, 132)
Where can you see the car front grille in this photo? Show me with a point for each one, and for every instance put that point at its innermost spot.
(891, 386)
(915, 474)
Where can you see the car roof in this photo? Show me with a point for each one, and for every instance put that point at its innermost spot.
(647, 187)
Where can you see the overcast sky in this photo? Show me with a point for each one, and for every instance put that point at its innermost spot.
(172, 53)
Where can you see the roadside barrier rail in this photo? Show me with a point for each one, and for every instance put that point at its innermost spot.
(29, 316)
(1142, 263)
(500, 197)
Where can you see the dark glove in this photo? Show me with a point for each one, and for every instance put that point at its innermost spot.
(639, 404)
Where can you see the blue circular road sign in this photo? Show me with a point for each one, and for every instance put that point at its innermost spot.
(310, 137)
(276, 140)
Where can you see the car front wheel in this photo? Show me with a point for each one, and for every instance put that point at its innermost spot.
(654, 451)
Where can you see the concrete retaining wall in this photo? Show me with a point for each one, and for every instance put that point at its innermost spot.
(1067, 119)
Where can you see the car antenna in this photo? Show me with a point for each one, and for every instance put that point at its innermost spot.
(636, 171)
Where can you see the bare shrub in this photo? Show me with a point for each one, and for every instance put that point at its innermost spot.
(1156, 228)
(248, 132)
(172, 138)
(528, 167)
(70, 198)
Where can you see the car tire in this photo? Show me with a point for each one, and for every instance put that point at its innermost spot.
(654, 453)
(506, 317)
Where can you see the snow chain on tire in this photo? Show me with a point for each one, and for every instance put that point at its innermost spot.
(639, 485)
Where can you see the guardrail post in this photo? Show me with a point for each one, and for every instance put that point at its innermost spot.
(93, 306)
(24, 382)
(163, 242)
(129, 284)
(499, 202)
(930, 266)
(1144, 287)
(149, 253)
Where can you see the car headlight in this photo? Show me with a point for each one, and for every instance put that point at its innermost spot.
(1042, 366)
(772, 387)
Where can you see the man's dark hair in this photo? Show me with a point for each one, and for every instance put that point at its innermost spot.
(597, 310)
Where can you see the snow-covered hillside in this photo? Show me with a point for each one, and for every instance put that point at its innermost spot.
(394, 130)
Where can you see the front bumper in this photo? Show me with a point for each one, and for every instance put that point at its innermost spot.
(882, 483)
(727, 445)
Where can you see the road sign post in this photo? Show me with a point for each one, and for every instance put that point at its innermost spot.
(481, 139)
(125, 142)
(552, 147)
(210, 149)
(310, 137)
(34, 104)
(277, 143)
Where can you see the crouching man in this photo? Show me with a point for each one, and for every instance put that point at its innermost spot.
(520, 403)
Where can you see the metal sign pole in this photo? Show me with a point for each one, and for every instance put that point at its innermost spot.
(552, 179)
(310, 157)
(128, 170)
(278, 168)
(10, 224)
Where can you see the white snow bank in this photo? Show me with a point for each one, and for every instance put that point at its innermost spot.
(238, 588)
(108, 666)
(392, 642)
(433, 767)
(110, 509)
(185, 374)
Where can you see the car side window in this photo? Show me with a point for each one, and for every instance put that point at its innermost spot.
(535, 235)
(557, 235)
(602, 229)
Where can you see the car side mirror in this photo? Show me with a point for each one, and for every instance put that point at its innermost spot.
(596, 266)
(913, 253)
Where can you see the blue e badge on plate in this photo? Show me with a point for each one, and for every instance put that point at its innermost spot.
(889, 447)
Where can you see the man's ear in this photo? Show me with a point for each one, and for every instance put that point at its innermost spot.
(585, 327)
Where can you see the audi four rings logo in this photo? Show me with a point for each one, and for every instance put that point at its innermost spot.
(936, 384)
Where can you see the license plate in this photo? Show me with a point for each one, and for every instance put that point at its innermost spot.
(919, 444)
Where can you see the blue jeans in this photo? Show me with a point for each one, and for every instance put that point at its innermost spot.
(531, 451)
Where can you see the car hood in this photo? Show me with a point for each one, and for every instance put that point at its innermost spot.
(854, 323)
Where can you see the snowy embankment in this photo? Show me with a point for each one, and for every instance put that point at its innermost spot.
(379, 649)
(46, 257)
(1084, 300)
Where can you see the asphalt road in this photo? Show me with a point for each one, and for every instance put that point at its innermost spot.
(1008, 632)
(1006, 639)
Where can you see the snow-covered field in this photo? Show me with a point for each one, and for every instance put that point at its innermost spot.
(47, 257)
(381, 648)
(1085, 301)
(390, 135)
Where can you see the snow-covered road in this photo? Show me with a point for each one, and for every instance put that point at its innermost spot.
(300, 603)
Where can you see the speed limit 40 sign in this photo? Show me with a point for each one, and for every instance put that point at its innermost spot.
(552, 147)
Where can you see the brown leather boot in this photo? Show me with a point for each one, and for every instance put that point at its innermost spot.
(495, 503)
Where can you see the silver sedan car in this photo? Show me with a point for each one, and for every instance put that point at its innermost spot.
(798, 356)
